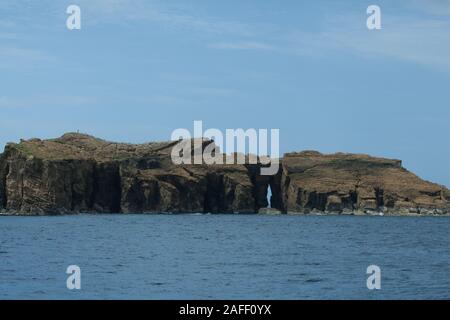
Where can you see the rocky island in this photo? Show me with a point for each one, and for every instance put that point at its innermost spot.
(78, 173)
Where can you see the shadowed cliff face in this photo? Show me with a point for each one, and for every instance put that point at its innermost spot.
(107, 187)
(4, 168)
(79, 173)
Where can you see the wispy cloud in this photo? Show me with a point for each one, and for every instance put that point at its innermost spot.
(435, 7)
(16, 57)
(175, 17)
(117, 12)
(420, 40)
(420, 36)
(425, 42)
(158, 100)
(21, 53)
(213, 92)
(416, 40)
(243, 45)
(47, 101)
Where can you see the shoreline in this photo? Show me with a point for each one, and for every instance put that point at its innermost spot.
(298, 214)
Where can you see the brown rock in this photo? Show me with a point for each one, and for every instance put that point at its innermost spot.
(80, 173)
(355, 182)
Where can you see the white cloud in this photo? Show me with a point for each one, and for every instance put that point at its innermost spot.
(435, 7)
(419, 36)
(46, 101)
(416, 40)
(158, 99)
(214, 92)
(116, 11)
(15, 57)
(21, 53)
(243, 45)
(423, 41)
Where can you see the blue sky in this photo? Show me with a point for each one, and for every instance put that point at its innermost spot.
(137, 70)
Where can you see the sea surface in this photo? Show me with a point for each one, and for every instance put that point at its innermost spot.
(224, 257)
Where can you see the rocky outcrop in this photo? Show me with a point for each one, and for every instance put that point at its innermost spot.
(79, 173)
(352, 183)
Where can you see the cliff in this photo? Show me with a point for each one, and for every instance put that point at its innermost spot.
(79, 173)
(352, 183)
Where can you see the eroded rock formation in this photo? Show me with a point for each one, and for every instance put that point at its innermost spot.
(356, 183)
(79, 173)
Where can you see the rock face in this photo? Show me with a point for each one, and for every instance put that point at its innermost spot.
(352, 183)
(79, 173)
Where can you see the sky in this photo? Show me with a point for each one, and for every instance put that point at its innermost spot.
(137, 70)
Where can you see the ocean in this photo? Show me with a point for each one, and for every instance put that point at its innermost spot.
(224, 257)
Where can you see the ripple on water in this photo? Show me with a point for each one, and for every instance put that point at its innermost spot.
(224, 256)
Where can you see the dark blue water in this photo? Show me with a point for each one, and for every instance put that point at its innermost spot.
(224, 257)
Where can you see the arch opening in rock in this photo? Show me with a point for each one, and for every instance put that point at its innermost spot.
(269, 196)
